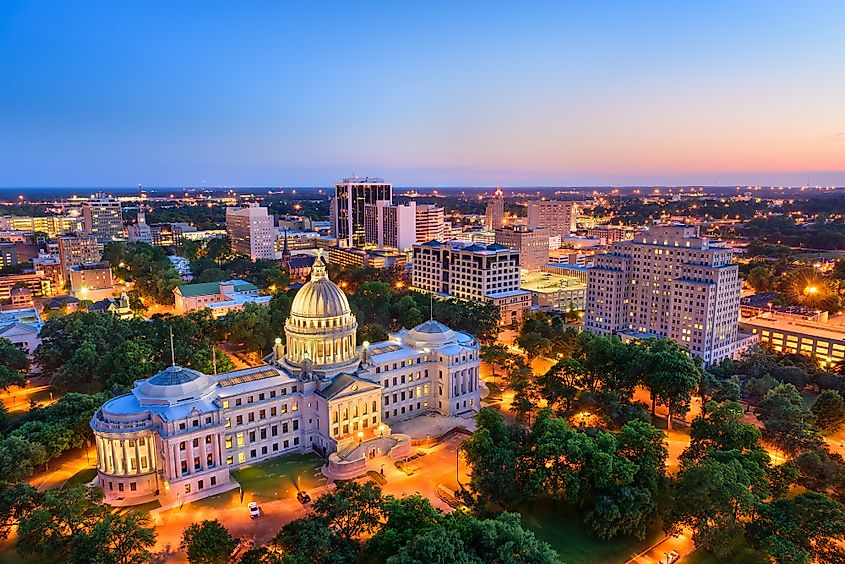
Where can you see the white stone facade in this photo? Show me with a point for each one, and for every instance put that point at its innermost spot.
(179, 433)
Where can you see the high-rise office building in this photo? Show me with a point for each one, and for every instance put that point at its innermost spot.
(251, 231)
(102, 218)
(472, 271)
(392, 226)
(351, 197)
(494, 215)
(76, 250)
(668, 282)
(531, 242)
(556, 216)
(431, 223)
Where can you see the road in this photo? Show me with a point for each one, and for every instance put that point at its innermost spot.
(63, 468)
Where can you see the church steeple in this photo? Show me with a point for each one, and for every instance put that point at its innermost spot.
(285, 250)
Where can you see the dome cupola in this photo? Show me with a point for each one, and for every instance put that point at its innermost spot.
(321, 327)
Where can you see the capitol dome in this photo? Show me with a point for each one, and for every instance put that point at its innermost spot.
(321, 327)
(174, 384)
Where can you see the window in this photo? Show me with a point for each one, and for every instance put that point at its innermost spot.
(187, 488)
(133, 486)
(240, 439)
(230, 460)
(241, 457)
(200, 484)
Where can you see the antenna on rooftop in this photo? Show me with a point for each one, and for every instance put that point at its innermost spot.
(172, 350)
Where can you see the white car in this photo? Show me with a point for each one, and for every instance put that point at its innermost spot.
(672, 557)
(254, 510)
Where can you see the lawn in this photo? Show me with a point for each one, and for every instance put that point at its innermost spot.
(81, 478)
(276, 478)
(560, 525)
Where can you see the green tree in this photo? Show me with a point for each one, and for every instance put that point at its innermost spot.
(405, 518)
(311, 540)
(721, 427)
(351, 510)
(762, 279)
(61, 523)
(204, 361)
(118, 539)
(669, 373)
(435, 546)
(18, 458)
(809, 527)
(713, 497)
(14, 365)
(207, 542)
(55, 438)
(491, 453)
(787, 423)
(829, 410)
(16, 502)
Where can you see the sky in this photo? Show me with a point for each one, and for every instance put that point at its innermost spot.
(421, 93)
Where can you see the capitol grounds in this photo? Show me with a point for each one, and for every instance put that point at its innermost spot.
(273, 484)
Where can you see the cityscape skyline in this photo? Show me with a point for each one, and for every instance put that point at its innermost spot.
(560, 95)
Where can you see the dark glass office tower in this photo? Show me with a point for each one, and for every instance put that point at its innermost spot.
(351, 195)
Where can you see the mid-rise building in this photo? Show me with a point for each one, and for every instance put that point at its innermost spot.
(351, 197)
(76, 250)
(180, 434)
(609, 234)
(494, 214)
(102, 217)
(531, 242)
(251, 231)
(668, 282)
(49, 266)
(472, 271)
(389, 225)
(91, 281)
(556, 216)
(170, 234)
(39, 285)
(220, 297)
(431, 223)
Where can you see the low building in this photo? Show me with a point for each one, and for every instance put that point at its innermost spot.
(8, 255)
(786, 333)
(555, 292)
(91, 281)
(115, 306)
(40, 286)
(565, 269)
(219, 297)
(365, 258)
(21, 326)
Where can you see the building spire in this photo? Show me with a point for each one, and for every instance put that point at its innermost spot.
(172, 349)
(285, 251)
(318, 270)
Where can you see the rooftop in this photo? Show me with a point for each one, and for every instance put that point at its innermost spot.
(809, 328)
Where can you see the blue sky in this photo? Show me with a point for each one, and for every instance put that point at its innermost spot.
(421, 93)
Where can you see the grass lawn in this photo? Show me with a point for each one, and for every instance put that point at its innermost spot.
(81, 478)
(560, 525)
(276, 478)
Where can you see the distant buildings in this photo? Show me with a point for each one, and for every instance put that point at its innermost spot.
(140, 232)
(348, 207)
(494, 214)
(389, 225)
(608, 234)
(668, 282)
(51, 225)
(472, 271)
(103, 218)
(115, 306)
(251, 231)
(75, 250)
(40, 286)
(8, 255)
(91, 281)
(219, 297)
(531, 242)
(556, 216)
(431, 223)
(365, 258)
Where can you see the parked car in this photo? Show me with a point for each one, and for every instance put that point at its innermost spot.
(303, 498)
(254, 510)
(672, 557)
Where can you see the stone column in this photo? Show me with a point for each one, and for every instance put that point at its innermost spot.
(203, 464)
(113, 457)
(137, 457)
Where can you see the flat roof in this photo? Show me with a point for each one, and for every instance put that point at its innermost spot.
(549, 283)
(809, 328)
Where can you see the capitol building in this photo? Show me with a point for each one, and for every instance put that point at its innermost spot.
(178, 435)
